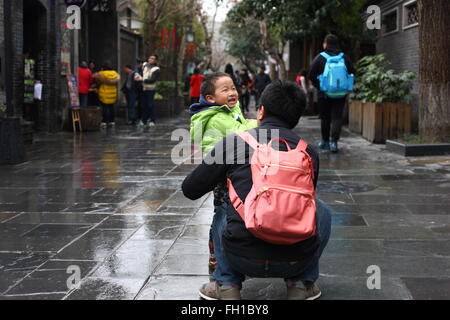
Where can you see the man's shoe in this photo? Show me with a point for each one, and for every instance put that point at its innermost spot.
(140, 124)
(151, 124)
(325, 145)
(103, 125)
(213, 291)
(334, 147)
(112, 124)
(310, 292)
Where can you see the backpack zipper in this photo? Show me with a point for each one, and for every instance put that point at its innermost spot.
(265, 189)
(267, 166)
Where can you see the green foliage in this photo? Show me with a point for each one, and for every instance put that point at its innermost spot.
(244, 40)
(298, 18)
(165, 89)
(376, 83)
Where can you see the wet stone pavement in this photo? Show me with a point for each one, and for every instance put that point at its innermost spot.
(107, 208)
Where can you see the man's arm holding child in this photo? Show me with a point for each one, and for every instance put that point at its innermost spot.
(206, 176)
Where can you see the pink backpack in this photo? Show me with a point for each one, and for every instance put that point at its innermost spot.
(281, 206)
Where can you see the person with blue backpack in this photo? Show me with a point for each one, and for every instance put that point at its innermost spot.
(332, 73)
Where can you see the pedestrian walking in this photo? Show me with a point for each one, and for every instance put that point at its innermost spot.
(85, 79)
(131, 88)
(151, 72)
(195, 83)
(229, 70)
(245, 84)
(261, 81)
(290, 248)
(331, 104)
(107, 81)
(301, 81)
(93, 91)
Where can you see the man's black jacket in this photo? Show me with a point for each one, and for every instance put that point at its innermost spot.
(236, 238)
(318, 67)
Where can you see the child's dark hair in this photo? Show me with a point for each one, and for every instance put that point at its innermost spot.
(209, 81)
(284, 100)
(107, 65)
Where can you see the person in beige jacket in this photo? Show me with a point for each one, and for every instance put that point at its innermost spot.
(151, 73)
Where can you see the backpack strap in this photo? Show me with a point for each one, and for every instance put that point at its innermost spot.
(235, 200)
(325, 55)
(248, 138)
(302, 145)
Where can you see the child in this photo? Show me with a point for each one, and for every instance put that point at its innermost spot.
(217, 114)
(107, 81)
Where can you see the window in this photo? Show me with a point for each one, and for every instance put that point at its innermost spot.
(410, 14)
(390, 22)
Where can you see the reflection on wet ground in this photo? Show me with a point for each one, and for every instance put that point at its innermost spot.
(110, 204)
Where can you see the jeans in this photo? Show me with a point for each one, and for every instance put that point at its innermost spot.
(331, 112)
(148, 106)
(131, 103)
(108, 113)
(232, 269)
(84, 98)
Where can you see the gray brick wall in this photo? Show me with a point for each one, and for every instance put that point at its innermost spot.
(402, 49)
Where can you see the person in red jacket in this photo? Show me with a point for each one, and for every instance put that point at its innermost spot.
(196, 82)
(84, 83)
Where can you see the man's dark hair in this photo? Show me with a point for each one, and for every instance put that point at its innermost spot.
(128, 66)
(284, 100)
(209, 81)
(154, 55)
(332, 40)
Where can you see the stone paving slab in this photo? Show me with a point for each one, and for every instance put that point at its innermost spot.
(110, 203)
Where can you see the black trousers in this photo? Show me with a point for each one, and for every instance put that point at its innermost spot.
(331, 112)
(108, 113)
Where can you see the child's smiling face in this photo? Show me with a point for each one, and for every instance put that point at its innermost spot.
(225, 93)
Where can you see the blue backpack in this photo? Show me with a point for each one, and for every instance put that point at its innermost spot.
(335, 80)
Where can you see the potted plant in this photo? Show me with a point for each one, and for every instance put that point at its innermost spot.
(379, 107)
(167, 104)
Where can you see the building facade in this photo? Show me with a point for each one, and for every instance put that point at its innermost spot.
(398, 39)
(40, 27)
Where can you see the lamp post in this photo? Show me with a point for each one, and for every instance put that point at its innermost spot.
(190, 36)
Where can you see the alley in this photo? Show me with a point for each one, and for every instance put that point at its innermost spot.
(108, 205)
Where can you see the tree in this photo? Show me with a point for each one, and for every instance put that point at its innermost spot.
(151, 12)
(187, 7)
(243, 42)
(288, 20)
(208, 32)
(434, 110)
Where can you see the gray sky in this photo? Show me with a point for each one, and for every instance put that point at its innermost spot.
(209, 6)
